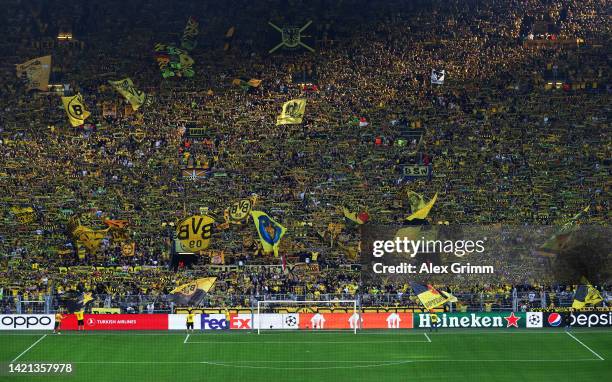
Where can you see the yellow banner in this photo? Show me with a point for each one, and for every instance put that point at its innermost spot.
(194, 233)
(105, 311)
(24, 215)
(89, 238)
(126, 88)
(193, 292)
(292, 113)
(429, 296)
(76, 110)
(36, 72)
(204, 284)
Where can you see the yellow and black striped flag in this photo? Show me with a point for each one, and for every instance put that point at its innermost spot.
(586, 295)
(192, 293)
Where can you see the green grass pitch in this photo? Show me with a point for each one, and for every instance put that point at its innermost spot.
(379, 356)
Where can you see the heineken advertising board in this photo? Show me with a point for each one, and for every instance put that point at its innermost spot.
(472, 320)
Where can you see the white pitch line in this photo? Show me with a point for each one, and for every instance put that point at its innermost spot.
(339, 361)
(588, 348)
(306, 342)
(31, 346)
(426, 336)
(186, 338)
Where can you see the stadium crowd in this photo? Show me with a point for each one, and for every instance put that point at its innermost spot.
(517, 134)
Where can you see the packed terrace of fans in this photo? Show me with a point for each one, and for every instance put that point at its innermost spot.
(502, 145)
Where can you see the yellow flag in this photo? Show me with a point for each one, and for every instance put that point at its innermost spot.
(205, 284)
(429, 296)
(75, 108)
(194, 232)
(240, 210)
(586, 295)
(423, 212)
(192, 293)
(292, 113)
(269, 231)
(126, 88)
(89, 238)
(416, 200)
(561, 239)
(35, 72)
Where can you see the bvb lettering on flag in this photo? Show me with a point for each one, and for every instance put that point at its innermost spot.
(194, 233)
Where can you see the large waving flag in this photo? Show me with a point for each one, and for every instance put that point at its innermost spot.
(586, 295)
(561, 238)
(422, 213)
(76, 110)
(292, 113)
(192, 293)
(91, 239)
(194, 233)
(128, 90)
(76, 302)
(269, 231)
(35, 72)
(429, 296)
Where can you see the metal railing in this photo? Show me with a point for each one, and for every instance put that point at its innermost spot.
(480, 301)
